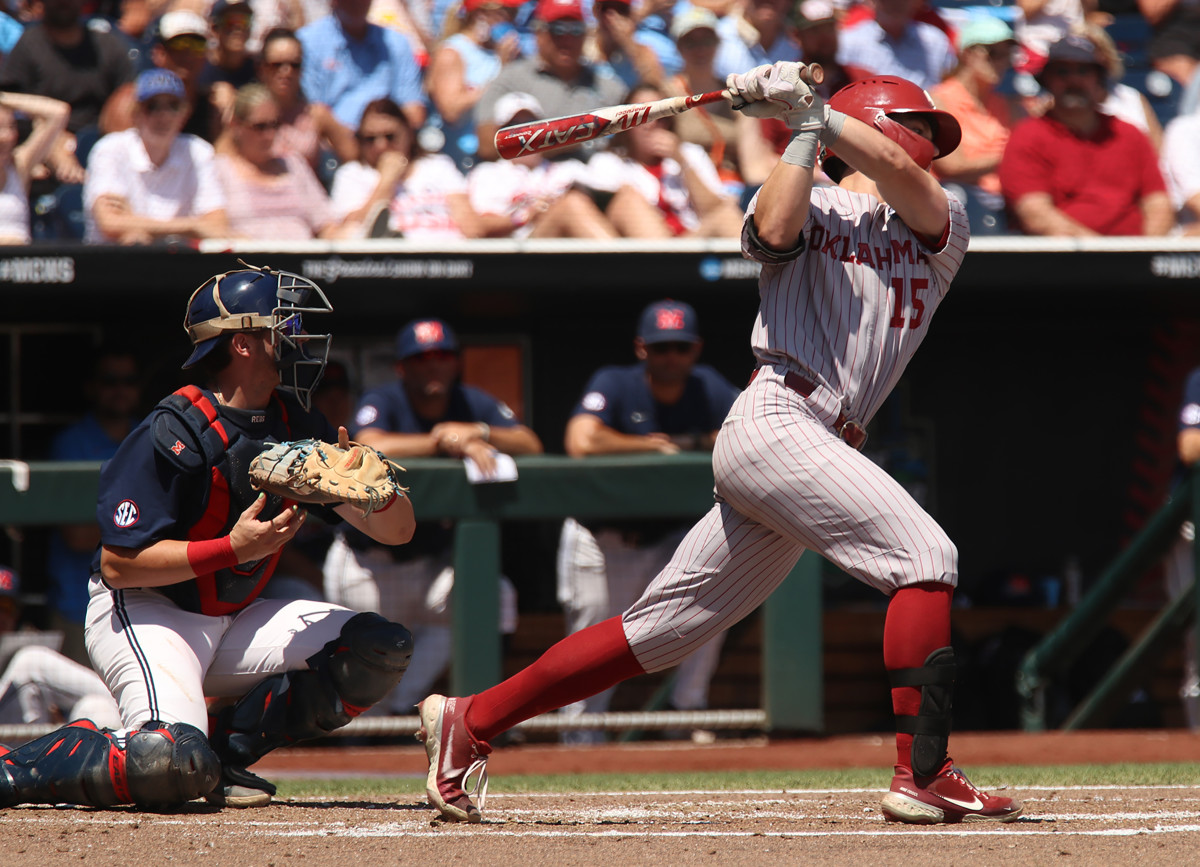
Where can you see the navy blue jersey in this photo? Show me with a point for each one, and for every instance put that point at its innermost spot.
(389, 409)
(195, 487)
(620, 397)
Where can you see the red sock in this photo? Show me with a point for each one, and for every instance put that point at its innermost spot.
(918, 623)
(581, 665)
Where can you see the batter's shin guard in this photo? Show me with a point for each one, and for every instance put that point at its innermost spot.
(157, 766)
(930, 728)
(351, 673)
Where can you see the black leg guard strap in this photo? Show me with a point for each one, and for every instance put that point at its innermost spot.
(157, 766)
(351, 673)
(930, 728)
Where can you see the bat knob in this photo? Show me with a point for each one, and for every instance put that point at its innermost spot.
(812, 73)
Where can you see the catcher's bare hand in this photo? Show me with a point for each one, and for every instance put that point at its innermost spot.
(253, 539)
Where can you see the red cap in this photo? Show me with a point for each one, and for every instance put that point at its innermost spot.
(470, 6)
(556, 10)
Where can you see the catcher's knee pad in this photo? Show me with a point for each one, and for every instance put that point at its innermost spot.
(158, 765)
(930, 728)
(351, 673)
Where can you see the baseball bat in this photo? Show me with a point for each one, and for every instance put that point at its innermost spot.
(553, 133)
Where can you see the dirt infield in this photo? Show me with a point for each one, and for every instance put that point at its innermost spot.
(1067, 825)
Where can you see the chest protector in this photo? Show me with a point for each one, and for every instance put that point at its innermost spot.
(190, 436)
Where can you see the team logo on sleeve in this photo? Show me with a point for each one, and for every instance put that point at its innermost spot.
(179, 447)
(126, 514)
(594, 401)
(366, 415)
(506, 412)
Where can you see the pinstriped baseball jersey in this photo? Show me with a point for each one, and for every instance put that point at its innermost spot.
(853, 308)
(848, 313)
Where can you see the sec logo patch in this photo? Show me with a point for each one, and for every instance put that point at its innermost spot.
(126, 514)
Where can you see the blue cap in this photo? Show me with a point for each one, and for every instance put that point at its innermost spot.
(159, 82)
(669, 320)
(424, 335)
(10, 582)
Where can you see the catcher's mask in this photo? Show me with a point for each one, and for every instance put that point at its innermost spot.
(877, 101)
(256, 299)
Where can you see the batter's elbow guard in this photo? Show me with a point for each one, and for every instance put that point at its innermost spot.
(930, 728)
(348, 675)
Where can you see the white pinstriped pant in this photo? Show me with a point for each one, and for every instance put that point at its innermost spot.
(784, 482)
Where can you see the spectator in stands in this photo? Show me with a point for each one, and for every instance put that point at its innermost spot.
(425, 412)
(985, 54)
(269, 197)
(1181, 168)
(281, 15)
(348, 62)
(662, 187)
(19, 161)
(1176, 26)
(758, 35)
(154, 181)
(558, 76)
(397, 190)
(712, 127)
(1044, 22)
(467, 59)
(229, 64)
(1078, 171)
(531, 196)
(1124, 102)
(664, 404)
(1178, 59)
(38, 684)
(113, 391)
(306, 128)
(180, 47)
(895, 43)
(620, 49)
(64, 58)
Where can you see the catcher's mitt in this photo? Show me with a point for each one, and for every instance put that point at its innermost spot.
(312, 471)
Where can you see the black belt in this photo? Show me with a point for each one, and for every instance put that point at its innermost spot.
(851, 431)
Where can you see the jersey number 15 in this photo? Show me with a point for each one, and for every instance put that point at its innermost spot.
(918, 284)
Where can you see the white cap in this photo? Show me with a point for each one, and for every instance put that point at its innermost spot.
(693, 18)
(181, 22)
(813, 12)
(512, 104)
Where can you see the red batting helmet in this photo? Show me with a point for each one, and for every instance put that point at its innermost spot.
(875, 100)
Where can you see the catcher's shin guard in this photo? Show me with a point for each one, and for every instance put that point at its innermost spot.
(159, 765)
(930, 728)
(351, 673)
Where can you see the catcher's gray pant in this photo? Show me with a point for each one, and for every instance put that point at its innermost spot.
(601, 575)
(784, 482)
(39, 681)
(414, 592)
(160, 662)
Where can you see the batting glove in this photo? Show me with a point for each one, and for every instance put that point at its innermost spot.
(777, 90)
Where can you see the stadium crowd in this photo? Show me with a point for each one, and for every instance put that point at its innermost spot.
(141, 121)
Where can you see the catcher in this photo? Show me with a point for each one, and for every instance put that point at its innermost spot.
(207, 677)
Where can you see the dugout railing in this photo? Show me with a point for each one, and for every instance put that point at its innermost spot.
(548, 487)
(1052, 657)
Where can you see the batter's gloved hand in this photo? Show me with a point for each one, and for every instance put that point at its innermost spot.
(312, 471)
(778, 90)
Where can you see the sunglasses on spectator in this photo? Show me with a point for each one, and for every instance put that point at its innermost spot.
(235, 22)
(679, 347)
(385, 137)
(276, 65)
(190, 43)
(264, 126)
(999, 51)
(117, 380)
(619, 8)
(1061, 69)
(567, 28)
(156, 105)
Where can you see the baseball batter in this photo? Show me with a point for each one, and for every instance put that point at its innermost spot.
(186, 546)
(850, 280)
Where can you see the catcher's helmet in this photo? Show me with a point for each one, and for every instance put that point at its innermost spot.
(261, 299)
(875, 100)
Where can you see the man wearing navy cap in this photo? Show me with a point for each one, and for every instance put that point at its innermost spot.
(1077, 171)
(665, 403)
(425, 412)
(154, 181)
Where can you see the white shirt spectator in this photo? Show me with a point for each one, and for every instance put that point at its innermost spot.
(609, 171)
(510, 189)
(185, 185)
(14, 209)
(418, 209)
(1181, 166)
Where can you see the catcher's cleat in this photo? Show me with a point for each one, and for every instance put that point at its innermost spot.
(945, 798)
(455, 757)
(241, 789)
